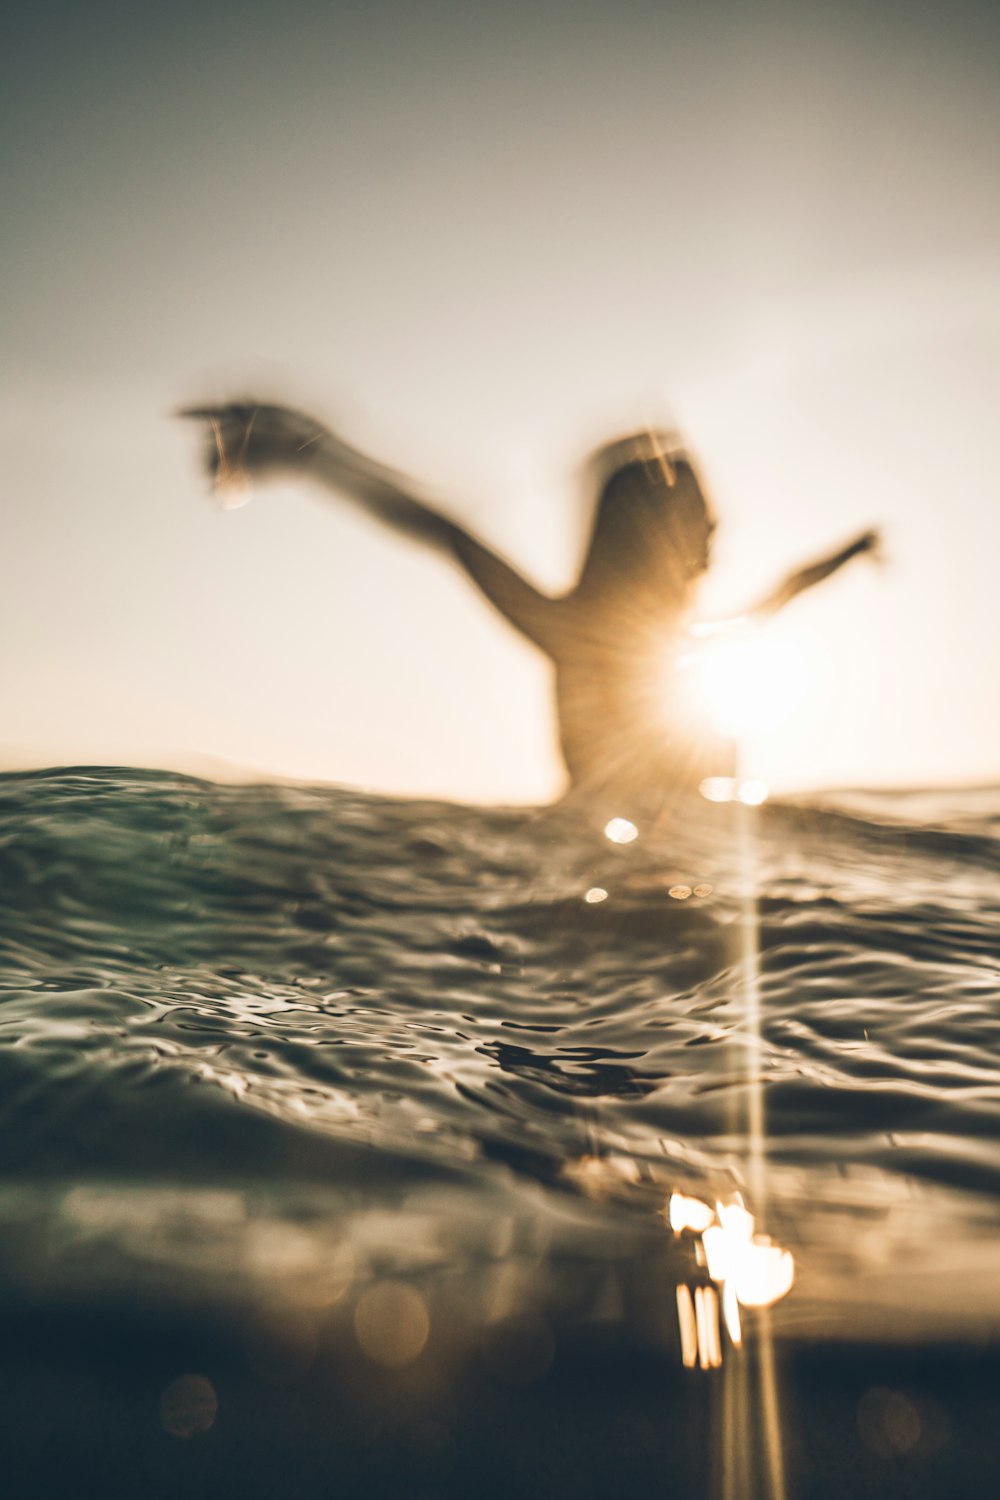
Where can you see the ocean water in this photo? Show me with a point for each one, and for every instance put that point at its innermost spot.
(338, 1135)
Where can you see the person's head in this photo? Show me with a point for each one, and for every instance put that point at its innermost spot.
(654, 523)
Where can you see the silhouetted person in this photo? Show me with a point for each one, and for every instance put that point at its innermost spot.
(611, 637)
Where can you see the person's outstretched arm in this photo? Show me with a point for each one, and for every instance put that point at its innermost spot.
(250, 440)
(806, 578)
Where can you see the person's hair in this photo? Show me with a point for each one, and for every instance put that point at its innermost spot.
(650, 502)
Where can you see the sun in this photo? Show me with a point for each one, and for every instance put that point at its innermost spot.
(744, 678)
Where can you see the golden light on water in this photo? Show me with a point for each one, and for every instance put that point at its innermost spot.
(706, 1313)
(688, 1327)
(689, 1213)
(760, 1272)
(750, 1267)
(598, 1176)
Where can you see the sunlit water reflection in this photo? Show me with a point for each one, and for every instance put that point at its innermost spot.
(299, 1052)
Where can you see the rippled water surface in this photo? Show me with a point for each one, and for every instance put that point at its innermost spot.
(273, 1045)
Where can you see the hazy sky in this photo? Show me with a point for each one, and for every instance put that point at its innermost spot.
(482, 238)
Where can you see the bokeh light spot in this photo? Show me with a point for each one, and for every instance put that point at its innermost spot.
(188, 1406)
(888, 1422)
(620, 831)
(752, 793)
(718, 789)
(391, 1323)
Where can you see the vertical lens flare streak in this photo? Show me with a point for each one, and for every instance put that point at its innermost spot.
(706, 1311)
(746, 815)
(688, 1326)
(742, 1267)
(750, 989)
(741, 686)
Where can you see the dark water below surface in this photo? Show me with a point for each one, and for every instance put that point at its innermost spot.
(360, 1112)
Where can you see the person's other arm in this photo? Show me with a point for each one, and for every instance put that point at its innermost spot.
(813, 573)
(248, 440)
